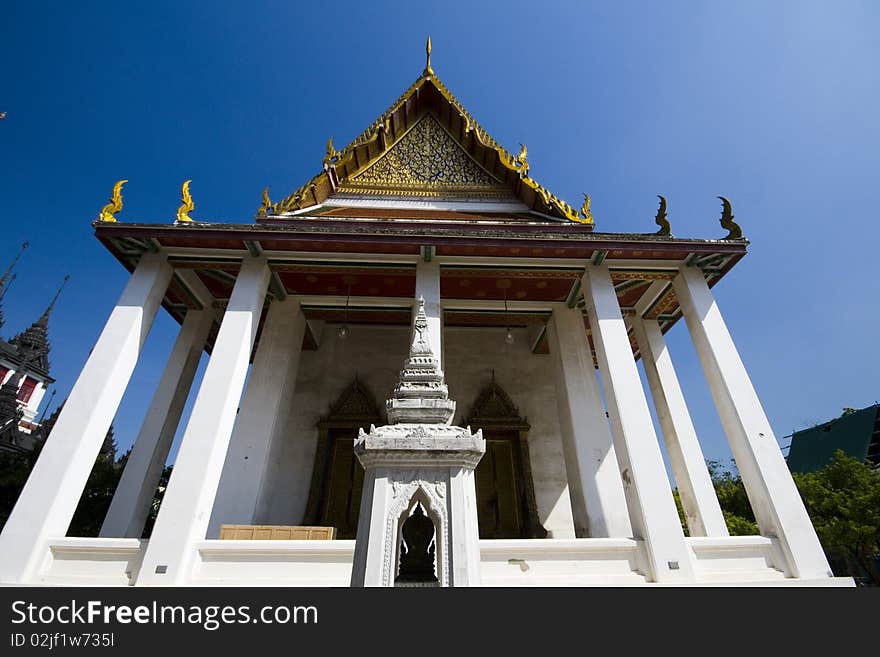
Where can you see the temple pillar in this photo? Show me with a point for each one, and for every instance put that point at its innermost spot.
(262, 421)
(653, 515)
(428, 288)
(771, 490)
(49, 498)
(597, 499)
(131, 502)
(186, 508)
(698, 498)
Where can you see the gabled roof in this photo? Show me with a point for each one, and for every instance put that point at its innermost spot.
(384, 160)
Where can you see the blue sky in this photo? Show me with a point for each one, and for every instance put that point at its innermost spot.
(773, 105)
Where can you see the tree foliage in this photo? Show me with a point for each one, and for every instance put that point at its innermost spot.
(843, 500)
(15, 467)
(732, 498)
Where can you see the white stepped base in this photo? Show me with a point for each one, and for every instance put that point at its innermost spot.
(583, 562)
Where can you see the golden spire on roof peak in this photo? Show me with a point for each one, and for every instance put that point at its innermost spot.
(428, 69)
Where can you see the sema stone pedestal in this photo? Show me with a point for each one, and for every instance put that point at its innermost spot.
(418, 459)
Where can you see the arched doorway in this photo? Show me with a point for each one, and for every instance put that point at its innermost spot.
(505, 493)
(337, 477)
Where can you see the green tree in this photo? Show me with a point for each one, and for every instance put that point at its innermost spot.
(732, 498)
(15, 467)
(157, 501)
(843, 500)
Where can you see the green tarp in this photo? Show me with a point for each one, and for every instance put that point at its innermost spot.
(812, 449)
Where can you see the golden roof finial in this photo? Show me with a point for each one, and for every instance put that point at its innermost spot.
(115, 205)
(585, 209)
(734, 231)
(428, 69)
(661, 218)
(186, 203)
(523, 159)
(331, 153)
(266, 205)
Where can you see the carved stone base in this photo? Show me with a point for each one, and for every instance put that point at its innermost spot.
(409, 464)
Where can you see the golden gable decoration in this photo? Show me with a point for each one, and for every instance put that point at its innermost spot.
(345, 170)
(425, 158)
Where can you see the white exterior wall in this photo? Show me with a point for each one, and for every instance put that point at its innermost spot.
(376, 354)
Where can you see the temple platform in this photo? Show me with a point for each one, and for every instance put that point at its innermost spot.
(583, 562)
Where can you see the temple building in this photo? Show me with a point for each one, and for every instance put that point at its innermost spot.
(404, 389)
(24, 373)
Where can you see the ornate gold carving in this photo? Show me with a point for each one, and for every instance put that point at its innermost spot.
(727, 222)
(621, 275)
(661, 220)
(331, 155)
(665, 305)
(585, 210)
(186, 203)
(425, 157)
(115, 205)
(523, 159)
(266, 205)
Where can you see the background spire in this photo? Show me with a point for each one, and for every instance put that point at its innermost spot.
(5, 276)
(6, 279)
(44, 318)
(3, 291)
(32, 344)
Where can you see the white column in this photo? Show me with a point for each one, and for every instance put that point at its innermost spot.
(698, 498)
(594, 485)
(772, 493)
(652, 510)
(49, 498)
(464, 528)
(428, 287)
(262, 421)
(131, 502)
(368, 562)
(186, 507)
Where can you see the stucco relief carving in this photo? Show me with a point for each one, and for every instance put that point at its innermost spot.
(404, 486)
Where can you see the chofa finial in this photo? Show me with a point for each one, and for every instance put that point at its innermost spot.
(585, 210)
(428, 69)
(186, 203)
(266, 204)
(330, 155)
(661, 220)
(115, 205)
(727, 222)
(523, 159)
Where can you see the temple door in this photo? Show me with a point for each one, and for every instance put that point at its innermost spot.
(505, 493)
(497, 474)
(337, 476)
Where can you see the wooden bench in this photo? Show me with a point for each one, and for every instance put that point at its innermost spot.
(276, 533)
